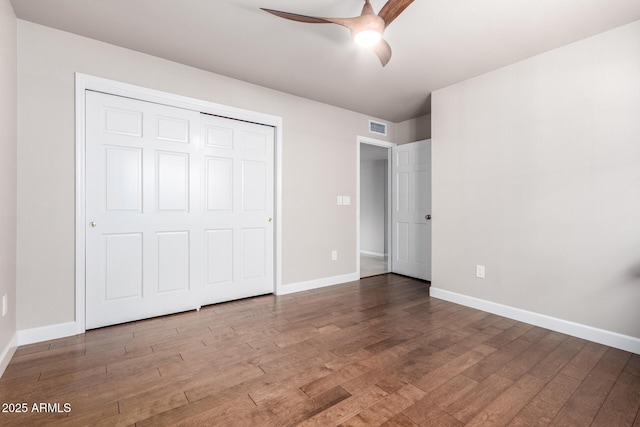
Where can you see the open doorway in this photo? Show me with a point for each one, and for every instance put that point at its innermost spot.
(374, 207)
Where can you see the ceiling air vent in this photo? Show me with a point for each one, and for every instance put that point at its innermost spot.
(377, 127)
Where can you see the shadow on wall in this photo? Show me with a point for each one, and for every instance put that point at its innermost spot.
(426, 105)
(418, 128)
(634, 272)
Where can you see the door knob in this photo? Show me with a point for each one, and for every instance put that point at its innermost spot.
(427, 217)
(270, 219)
(92, 224)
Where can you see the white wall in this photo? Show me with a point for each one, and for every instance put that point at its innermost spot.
(373, 199)
(8, 185)
(319, 163)
(536, 175)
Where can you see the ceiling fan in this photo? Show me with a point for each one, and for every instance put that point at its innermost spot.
(366, 29)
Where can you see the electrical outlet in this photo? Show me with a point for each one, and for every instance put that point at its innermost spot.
(480, 271)
(334, 255)
(4, 305)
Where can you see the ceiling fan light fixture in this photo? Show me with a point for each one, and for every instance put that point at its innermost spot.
(366, 29)
(367, 38)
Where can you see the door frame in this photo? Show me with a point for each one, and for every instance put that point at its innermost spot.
(388, 146)
(84, 82)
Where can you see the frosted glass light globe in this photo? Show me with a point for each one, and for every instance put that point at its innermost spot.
(367, 38)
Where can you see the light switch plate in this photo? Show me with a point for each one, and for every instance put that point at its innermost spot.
(346, 200)
(339, 200)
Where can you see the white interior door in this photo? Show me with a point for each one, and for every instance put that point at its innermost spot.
(238, 162)
(411, 210)
(153, 243)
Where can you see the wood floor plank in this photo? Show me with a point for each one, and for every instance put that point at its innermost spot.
(583, 362)
(377, 351)
(346, 409)
(148, 404)
(221, 409)
(104, 415)
(399, 421)
(386, 408)
(633, 365)
(449, 370)
(585, 403)
(429, 409)
(334, 379)
(541, 410)
(497, 359)
(377, 367)
(421, 361)
(32, 348)
(520, 365)
(271, 385)
(548, 367)
(284, 409)
(470, 404)
(508, 404)
(230, 377)
(622, 404)
(507, 336)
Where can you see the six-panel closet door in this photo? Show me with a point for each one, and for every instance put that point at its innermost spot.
(179, 209)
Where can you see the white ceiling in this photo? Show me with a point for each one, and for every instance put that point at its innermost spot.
(435, 42)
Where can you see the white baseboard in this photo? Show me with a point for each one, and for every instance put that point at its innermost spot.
(380, 254)
(45, 333)
(601, 336)
(7, 353)
(317, 283)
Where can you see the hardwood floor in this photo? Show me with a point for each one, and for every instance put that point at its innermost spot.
(371, 265)
(378, 351)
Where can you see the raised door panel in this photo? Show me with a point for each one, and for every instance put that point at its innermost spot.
(220, 256)
(123, 179)
(254, 253)
(172, 181)
(218, 137)
(219, 184)
(172, 129)
(122, 121)
(254, 186)
(403, 194)
(422, 248)
(173, 261)
(252, 141)
(123, 268)
(402, 242)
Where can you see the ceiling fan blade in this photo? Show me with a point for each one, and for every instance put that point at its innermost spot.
(392, 9)
(355, 24)
(345, 22)
(383, 50)
(296, 17)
